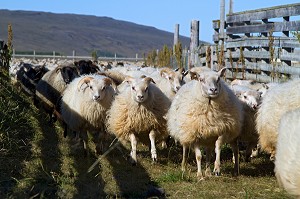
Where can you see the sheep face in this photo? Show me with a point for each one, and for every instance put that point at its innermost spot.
(139, 88)
(210, 83)
(175, 78)
(68, 73)
(252, 98)
(95, 87)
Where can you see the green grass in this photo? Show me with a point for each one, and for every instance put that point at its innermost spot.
(37, 162)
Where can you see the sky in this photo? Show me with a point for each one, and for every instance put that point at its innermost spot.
(161, 14)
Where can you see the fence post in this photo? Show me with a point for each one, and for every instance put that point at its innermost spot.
(222, 18)
(136, 57)
(74, 54)
(115, 57)
(53, 54)
(194, 42)
(176, 36)
(14, 52)
(34, 54)
(231, 7)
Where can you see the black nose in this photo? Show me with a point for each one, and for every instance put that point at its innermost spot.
(213, 90)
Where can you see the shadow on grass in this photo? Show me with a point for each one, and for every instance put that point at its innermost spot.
(132, 181)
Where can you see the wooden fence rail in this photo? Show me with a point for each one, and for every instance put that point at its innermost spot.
(257, 44)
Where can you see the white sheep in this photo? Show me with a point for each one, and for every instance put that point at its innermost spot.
(84, 105)
(277, 101)
(138, 112)
(206, 112)
(287, 162)
(52, 84)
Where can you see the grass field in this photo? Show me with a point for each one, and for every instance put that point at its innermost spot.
(37, 162)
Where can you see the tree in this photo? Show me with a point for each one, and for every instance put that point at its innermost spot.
(178, 55)
(164, 57)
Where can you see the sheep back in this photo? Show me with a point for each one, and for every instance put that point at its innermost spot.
(287, 162)
(277, 101)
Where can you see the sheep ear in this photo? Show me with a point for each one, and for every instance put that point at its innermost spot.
(107, 81)
(184, 73)
(58, 68)
(194, 76)
(221, 72)
(128, 79)
(164, 73)
(84, 83)
(149, 79)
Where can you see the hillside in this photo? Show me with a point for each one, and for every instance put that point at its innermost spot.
(63, 33)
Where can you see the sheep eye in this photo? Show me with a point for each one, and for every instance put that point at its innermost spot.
(218, 79)
(170, 78)
(103, 88)
(133, 88)
(91, 87)
(245, 97)
(146, 89)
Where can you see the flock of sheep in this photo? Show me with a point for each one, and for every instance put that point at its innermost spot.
(196, 108)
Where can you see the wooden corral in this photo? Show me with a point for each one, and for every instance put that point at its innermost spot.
(256, 44)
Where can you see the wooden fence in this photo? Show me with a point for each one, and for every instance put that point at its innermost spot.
(74, 57)
(257, 44)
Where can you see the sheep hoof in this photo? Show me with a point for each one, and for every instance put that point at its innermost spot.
(133, 162)
(217, 173)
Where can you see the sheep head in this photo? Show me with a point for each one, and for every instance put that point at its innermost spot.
(96, 87)
(139, 88)
(175, 78)
(68, 73)
(251, 98)
(210, 83)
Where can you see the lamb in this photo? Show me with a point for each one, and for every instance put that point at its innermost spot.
(206, 112)
(287, 163)
(138, 112)
(84, 105)
(169, 81)
(280, 99)
(51, 86)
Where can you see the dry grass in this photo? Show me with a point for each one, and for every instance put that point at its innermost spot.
(37, 162)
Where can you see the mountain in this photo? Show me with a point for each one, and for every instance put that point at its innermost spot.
(63, 33)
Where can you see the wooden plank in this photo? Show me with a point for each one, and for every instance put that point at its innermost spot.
(275, 27)
(252, 54)
(265, 13)
(291, 70)
(262, 42)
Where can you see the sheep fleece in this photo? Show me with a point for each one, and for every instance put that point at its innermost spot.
(192, 118)
(127, 116)
(278, 100)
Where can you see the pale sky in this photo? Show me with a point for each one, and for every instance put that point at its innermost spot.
(161, 14)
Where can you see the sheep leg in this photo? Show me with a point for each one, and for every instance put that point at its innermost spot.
(198, 160)
(217, 169)
(133, 142)
(183, 163)
(208, 159)
(84, 137)
(249, 149)
(152, 142)
(235, 149)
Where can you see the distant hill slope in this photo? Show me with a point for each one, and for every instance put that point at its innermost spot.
(63, 33)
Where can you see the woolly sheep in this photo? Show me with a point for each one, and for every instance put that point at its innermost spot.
(206, 112)
(277, 101)
(52, 84)
(84, 105)
(287, 162)
(138, 112)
